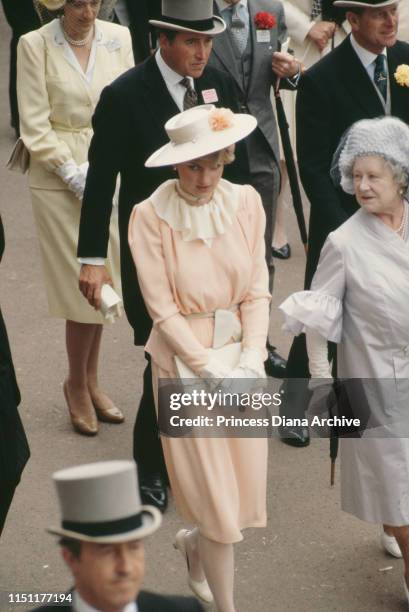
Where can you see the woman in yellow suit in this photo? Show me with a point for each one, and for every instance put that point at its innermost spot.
(62, 69)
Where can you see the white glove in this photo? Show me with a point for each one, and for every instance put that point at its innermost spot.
(74, 176)
(251, 364)
(215, 369)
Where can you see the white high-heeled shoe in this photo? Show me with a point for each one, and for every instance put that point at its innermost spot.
(200, 589)
(390, 544)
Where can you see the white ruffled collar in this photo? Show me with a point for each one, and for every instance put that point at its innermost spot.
(183, 212)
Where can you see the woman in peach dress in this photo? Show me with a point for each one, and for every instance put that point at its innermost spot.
(198, 246)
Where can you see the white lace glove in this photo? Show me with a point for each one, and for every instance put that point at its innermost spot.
(215, 369)
(251, 364)
(74, 176)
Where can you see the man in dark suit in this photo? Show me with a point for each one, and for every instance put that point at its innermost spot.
(128, 126)
(22, 18)
(135, 14)
(355, 81)
(14, 450)
(102, 535)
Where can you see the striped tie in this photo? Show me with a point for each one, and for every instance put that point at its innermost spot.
(190, 98)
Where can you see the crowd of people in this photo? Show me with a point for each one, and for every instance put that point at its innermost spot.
(155, 168)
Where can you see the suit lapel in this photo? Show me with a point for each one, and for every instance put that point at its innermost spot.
(399, 94)
(259, 49)
(156, 94)
(357, 81)
(223, 49)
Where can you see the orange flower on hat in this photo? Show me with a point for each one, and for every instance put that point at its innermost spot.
(221, 119)
(402, 75)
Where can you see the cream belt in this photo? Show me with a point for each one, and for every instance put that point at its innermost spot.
(65, 128)
(226, 324)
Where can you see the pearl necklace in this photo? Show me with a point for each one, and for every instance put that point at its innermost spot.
(73, 41)
(403, 228)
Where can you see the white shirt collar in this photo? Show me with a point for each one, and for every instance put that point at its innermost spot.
(80, 605)
(170, 77)
(59, 36)
(225, 5)
(366, 57)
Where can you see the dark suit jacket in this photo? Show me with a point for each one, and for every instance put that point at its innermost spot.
(332, 95)
(148, 602)
(14, 451)
(21, 16)
(128, 126)
(140, 11)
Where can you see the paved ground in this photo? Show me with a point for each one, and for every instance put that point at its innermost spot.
(311, 557)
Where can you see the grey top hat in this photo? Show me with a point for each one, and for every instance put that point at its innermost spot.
(365, 3)
(100, 503)
(194, 16)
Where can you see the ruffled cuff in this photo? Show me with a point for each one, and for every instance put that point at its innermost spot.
(313, 309)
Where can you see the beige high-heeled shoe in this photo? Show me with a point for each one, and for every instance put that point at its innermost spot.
(200, 589)
(86, 425)
(108, 414)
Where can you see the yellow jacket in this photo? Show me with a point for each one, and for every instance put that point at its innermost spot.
(56, 103)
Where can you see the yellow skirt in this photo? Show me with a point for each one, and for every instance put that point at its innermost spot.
(57, 217)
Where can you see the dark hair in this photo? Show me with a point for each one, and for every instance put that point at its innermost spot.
(74, 546)
(358, 10)
(169, 34)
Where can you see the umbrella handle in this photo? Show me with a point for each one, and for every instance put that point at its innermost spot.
(332, 477)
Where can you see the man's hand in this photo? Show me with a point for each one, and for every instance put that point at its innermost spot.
(321, 32)
(285, 65)
(90, 283)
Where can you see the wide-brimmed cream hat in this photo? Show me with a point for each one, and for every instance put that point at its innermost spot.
(194, 16)
(365, 3)
(199, 131)
(100, 503)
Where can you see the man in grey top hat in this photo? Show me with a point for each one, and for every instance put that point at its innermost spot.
(101, 536)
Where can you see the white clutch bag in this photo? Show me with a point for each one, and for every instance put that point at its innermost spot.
(228, 355)
(19, 160)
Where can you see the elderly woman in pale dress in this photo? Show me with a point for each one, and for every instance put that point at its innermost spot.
(198, 246)
(359, 299)
(61, 71)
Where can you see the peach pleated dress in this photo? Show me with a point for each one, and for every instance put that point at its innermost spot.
(219, 484)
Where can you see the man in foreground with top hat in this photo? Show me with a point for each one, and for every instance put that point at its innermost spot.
(355, 81)
(101, 536)
(128, 126)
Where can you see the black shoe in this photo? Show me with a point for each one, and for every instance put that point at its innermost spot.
(153, 491)
(283, 252)
(275, 365)
(294, 436)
